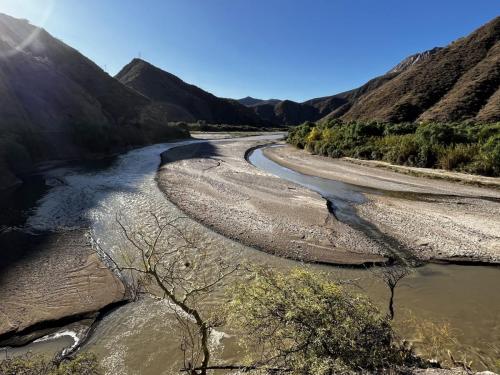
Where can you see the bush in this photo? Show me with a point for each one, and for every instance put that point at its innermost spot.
(309, 325)
(400, 129)
(457, 157)
(398, 149)
(444, 134)
(297, 135)
(473, 148)
(82, 364)
(488, 160)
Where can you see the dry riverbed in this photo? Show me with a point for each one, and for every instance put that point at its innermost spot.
(213, 183)
(434, 220)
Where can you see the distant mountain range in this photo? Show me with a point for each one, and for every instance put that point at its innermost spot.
(458, 82)
(287, 112)
(455, 83)
(250, 102)
(57, 104)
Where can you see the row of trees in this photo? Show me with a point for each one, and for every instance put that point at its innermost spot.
(467, 147)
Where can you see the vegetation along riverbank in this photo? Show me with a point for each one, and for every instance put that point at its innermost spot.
(465, 147)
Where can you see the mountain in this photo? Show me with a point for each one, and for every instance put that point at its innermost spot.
(455, 83)
(184, 102)
(413, 59)
(249, 101)
(287, 112)
(56, 104)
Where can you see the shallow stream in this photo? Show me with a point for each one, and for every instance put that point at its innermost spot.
(140, 338)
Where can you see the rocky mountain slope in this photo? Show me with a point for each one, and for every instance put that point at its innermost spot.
(413, 59)
(455, 83)
(288, 112)
(55, 103)
(184, 102)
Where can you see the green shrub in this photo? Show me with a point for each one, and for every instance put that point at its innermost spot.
(487, 131)
(400, 129)
(444, 134)
(82, 364)
(307, 324)
(456, 157)
(468, 147)
(297, 135)
(488, 160)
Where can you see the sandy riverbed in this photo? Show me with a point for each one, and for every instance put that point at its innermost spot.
(213, 183)
(449, 221)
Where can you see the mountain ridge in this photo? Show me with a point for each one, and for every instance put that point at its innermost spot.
(287, 112)
(187, 102)
(458, 82)
(453, 84)
(56, 104)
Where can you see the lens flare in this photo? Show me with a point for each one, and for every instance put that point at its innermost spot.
(11, 47)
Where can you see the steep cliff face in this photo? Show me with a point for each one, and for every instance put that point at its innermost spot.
(55, 103)
(184, 102)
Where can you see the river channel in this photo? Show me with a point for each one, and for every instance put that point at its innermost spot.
(140, 338)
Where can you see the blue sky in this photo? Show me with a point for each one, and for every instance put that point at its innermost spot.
(263, 48)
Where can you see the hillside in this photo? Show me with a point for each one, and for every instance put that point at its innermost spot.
(56, 104)
(455, 83)
(458, 82)
(287, 112)
(184, 102)
(249, 101)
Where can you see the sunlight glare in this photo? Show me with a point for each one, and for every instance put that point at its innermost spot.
(37, 12)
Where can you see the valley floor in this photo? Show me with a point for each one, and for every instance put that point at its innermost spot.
(214, 184)
(432, 220)
(436, 219)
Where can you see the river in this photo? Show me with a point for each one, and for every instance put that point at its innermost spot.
(140, 338)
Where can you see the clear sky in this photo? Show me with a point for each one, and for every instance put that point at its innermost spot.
(293, 49)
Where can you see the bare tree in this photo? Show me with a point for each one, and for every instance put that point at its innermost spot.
(391, 276)
(169, 261)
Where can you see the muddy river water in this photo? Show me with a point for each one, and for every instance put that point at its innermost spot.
(140, 337)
